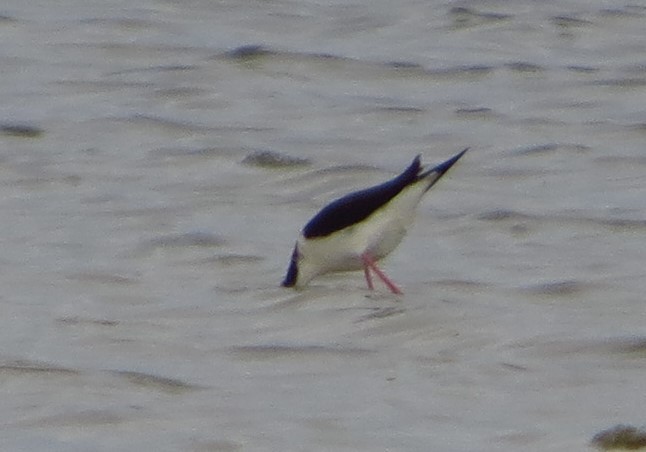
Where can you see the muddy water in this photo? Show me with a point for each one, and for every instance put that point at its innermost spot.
(158, 158)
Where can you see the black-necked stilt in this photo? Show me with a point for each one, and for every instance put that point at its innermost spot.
(355, 231)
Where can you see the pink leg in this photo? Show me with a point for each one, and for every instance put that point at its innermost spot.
(366, 272)
(369, 263)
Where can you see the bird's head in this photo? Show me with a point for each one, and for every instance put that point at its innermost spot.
(300, 271)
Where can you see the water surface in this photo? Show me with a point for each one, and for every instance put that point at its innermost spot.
(158, 158)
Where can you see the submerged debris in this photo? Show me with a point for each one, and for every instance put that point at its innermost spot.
(189, 239)
(21, 130)
(272, 159)
(621, 436)
(247, 52)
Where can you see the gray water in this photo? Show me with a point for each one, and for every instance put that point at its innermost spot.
(159, 157)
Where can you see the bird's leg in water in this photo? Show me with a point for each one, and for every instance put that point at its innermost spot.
(366, 272)
(369, 264)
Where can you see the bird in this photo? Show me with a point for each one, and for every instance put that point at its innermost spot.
(357, 230)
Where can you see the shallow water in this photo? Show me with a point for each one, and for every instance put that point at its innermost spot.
(158, 159)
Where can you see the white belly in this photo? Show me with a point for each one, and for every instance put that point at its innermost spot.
(379, 235)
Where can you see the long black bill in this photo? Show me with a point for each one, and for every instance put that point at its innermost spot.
(440, 169)
(292, 271)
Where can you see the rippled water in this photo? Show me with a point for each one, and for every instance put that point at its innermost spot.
(158, 158)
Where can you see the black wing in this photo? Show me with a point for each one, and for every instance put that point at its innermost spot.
(359, 205)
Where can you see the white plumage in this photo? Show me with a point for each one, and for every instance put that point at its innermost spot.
(355, 231)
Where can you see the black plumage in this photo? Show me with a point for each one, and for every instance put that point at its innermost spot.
(348, 234)
(357, 206)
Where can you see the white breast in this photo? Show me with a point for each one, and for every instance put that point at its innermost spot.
(378, 234)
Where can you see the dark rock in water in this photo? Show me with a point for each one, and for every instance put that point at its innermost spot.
(247, 52)
(272, 159)
(538, 149)
(565, 21)
(480, 112)
(502, 215)
(620, 437)
(467, 17)
(21, 130)
(557, 288)
(150, 381)
(190, 239)
(522, 66)
(404, 65)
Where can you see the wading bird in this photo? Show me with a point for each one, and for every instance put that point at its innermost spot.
(359, 229)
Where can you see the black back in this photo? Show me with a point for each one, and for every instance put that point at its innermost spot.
(359, 205)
